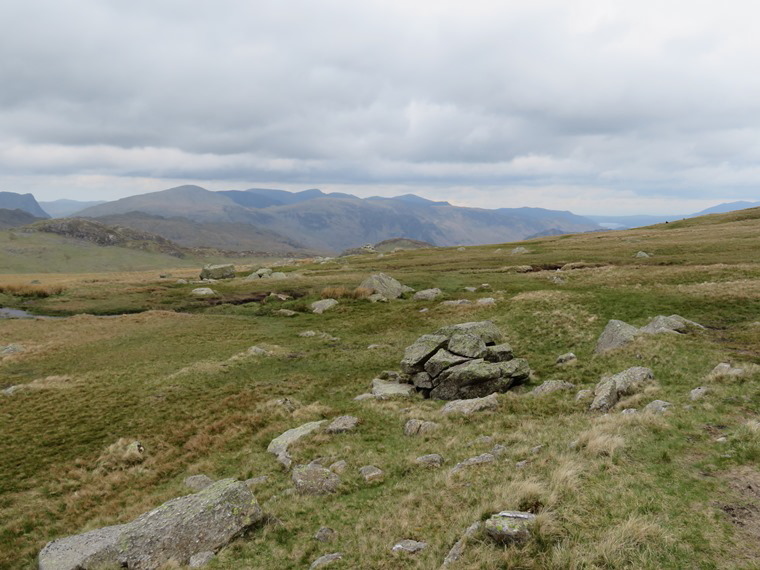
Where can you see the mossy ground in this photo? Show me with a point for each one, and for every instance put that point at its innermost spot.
(637, 491)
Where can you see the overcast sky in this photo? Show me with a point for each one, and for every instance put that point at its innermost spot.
(601, 106)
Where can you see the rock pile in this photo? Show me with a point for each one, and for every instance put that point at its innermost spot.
(463, 361)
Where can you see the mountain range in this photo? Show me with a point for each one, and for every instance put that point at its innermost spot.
(282, 222)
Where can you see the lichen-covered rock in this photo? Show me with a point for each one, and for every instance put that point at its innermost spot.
(342, 424)
(566, 358)
(509, 527)
(609, 390)
(325, 560)
(225, 271)
(427, 294)
(383, 284)
(423, 380)
(442, 360)
(409, 546)
(657, 406)
(725, 369)
(417, 354)
(177, 530)
(470, 406)
(478, 378)
(279, 445)
(469, 345)
(488, 332)
(698, 393)
(323, 305)
(615, 335)
(551, 386)
(387, 389)
(201, 559)
(430, 460)
(459, 547)
(419, 427)
(473, 461)
(325, 534)
(372, 474)
(313, 479)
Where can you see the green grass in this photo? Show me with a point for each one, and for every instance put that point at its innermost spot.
(635, 492)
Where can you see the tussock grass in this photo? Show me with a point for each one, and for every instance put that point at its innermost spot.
(345, 293)
(36, 291)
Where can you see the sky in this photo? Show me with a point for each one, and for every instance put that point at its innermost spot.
(593, 106)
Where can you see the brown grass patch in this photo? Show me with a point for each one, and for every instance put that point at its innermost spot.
(37, 291)
(345, 293)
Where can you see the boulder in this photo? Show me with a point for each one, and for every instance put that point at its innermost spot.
(325, 560)
(508, 527)
(417, 354)
(383, 284)
(430, 460)
(488, 332)
(325, 534)
(520, 250)
(499, 353)
(277, 275)
(698, 393)
(478, 378)
(372, 474)
(427, 294)
(456, 302)
(423, 380)
(387, 389)
(226, 271)
(657, 406)
(203, 292)
(609, 390)
(342, 424)
(551, 386)
(672, 324)
(469, 345)
(313, 479)
(471, 406)
(377, 298)
(409, 546)
(263, 271)
(285, 313)
(323, 305)
(419, 427)
(177, 530)
(439, 362)
(725, 369)
(615, 335)
(566, 358)
(279, 445)
(339, 467)
(486, 301)
(472, 461)
(642, 255)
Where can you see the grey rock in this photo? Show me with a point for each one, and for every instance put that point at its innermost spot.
(225, 271)
(551, 386)
(417, 354)
(629, 411)
(181, 281)
(372, 474)
(10, 390)
(383, 284)
(584, 395)
(488, 332)
(387, 389)
(423, 380)
(203, 292)
(471, 406)
(478, 378)
(520, 250)
(409, 546)
(427, 294)
(481, 440)
(307, 334)
(725, 369)
(499, 450)
(279, 445)
(198, 482)
(469, 345)
(472, 462)
(377, 298)
(325, 560)
(456, 302)
(460, 546)
(486, 301)
(256, 351)
(339, 467)
(263, 271)
(657, 406)
(460, 249)
(470, 289)
(419, 427)
(363, 397)
(566, 358)
(609, 390)
(522, 464)
(508, 527)
(698, 393)
(615, 335)
(255, 481)
(285, 313)
(322, 305)
(9, 349)
(430, 460)
(440, 361)
(342, 424)
(201, 559)
(642, 254)
(177, 530)
(313, 479)
(278, 275)
(499, 353)
(325, 534)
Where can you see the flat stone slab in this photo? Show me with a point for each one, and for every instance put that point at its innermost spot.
(471, 406)
(387, 389)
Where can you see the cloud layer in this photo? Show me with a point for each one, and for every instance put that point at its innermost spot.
(588, 105)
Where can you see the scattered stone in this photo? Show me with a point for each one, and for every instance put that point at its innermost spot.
(383, 284)
(467, 345)
(470, 289)
(342, 424)
(181, 281)
(458, 549)
(520, 250)
(478, 378)
(427, 294)
(456, 303)
(522, 464)
(424, 310)
(256, 351)
(698, 393)
(430, 460)
(499, 450)
(201, 559)
(584, 395)
(473, 461)
(722, 439)
(484, 287)
(551, 386)
(325, 534)
(226, 271)
(657, 406)
(313, 479)
(307, 334)
(385, 389)
(609, 390)
(629, 411)
(279, 445)
(566, 358)
(536, 450)
(325, 560)
(642, 254)
(323, 305)
(198, 482)
(672, 324)
(377, 298)
(376, 346)
(508, 527)
(177, 530)
(15, 388)
(362, 397)
(263, 271)
(339, 467)
(278, 275)
(615, 335)
(471, 405)
(460, 249)
(725, 369)
(419, 427)
(285, 313)
(203, 292)
(486, 301)
(481, 440)
(372, 474)
(409, 546)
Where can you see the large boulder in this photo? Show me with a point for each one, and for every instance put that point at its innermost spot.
(417, 354)
(226, 271)
(609, 390)
(478, 378)
(323, 305)
(615, 335)
(488, 332)
(383, 284)
(467, 407)
(314, 479)
(175, 531)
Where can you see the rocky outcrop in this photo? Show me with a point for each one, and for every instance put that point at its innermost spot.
(226, 271)
(463, 361)
(508, 527)
(314, 479)
(175, 531)
(383, 284)
(609, 390)
(279, 445)
(615, 335)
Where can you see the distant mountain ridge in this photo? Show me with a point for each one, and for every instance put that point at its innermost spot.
(64, 208)
(25, 202)
(337, 221)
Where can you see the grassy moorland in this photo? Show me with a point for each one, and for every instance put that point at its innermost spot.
(677, 490)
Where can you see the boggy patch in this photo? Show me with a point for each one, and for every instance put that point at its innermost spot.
(744, 510)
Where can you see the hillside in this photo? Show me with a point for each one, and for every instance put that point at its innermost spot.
(642, 489)
(15, 218)
(25, 202)
(66, 208)
(334, 222)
